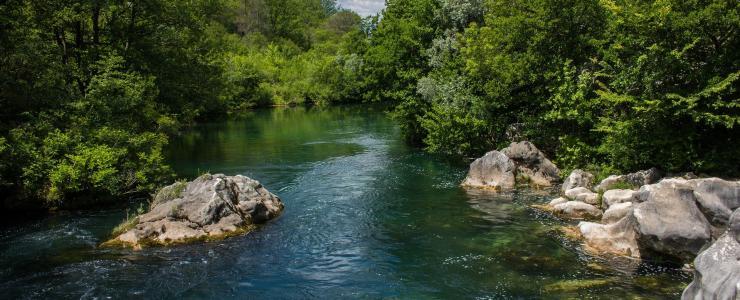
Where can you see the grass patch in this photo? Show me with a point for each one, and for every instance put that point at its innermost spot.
(169, 193)
(130, 221)
(165, 194)
(126, 225)
(621, 185)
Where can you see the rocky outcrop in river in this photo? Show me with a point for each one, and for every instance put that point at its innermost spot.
(210, 207)
(521, 163)
(494, 170)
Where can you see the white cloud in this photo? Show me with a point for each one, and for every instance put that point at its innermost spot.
(363, 7)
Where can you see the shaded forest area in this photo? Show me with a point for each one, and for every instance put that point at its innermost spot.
(91, 90)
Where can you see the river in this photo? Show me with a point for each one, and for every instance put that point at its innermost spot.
(366, 217)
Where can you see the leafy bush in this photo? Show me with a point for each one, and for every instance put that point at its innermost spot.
(89, 169)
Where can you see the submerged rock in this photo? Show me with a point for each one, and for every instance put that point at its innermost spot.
(574, 285)
(494, 170)
(717, 269)
(578, 178)
(531, 164)
(211, 206)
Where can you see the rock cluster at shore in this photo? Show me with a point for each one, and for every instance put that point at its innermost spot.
(519, 163)
(210, 207)
(639, 215)
(674, 218)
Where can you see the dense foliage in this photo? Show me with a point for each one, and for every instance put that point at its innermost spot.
(295, 51)
(91, 90)
(613, 84)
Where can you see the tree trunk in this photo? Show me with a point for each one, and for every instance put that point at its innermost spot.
(96, 23)
(59, 34)
(79, 45)
(131, 24)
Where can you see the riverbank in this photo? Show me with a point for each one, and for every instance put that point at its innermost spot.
(646, 215)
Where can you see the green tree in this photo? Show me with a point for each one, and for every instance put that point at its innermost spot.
(91, 88)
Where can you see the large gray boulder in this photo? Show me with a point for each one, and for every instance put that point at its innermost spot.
(734, 227)
(612, 197)
(578, 178)
(532, 164)
(636, 180)
(668, 220)
(210, 207)
(494, 170)
(717, 269)
(616, 212)
(717, 198)
(618, 238)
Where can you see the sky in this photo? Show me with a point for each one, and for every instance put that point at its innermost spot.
(363, 7)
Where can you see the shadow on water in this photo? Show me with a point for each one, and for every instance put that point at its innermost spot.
(366, 217)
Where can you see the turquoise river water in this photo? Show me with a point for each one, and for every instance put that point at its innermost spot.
(366, 217)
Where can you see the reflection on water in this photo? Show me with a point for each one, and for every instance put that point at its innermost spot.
(496, 208)
(366, 217)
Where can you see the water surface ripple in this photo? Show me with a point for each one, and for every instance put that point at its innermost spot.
(366, 217)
